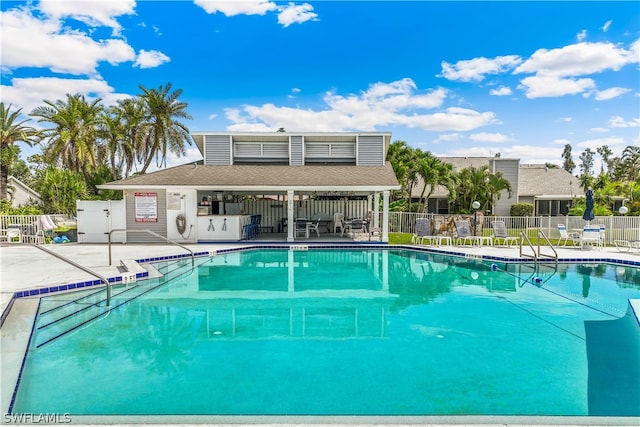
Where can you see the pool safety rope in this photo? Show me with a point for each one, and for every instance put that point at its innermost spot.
(538, 282)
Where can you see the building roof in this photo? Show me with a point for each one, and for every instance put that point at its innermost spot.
(258, 178)
(541, 181)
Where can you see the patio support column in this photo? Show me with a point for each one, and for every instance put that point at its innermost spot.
(376, 210)
(290, 219)
(385, 216)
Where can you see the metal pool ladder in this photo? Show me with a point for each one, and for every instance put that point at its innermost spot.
(537, 254)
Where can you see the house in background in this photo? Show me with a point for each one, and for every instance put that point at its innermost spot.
(276, 176)
(20, 193)
(549, 189)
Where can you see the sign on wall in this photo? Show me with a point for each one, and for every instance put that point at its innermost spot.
(146, 207)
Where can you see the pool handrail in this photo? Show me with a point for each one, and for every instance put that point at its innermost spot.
(537, 254)
(81, 267)
(153, 233)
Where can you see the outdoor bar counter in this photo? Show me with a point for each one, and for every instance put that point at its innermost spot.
(221, 227)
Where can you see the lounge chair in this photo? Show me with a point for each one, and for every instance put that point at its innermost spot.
(566, 237)
(627, 245)
(423, 232)
(500, 234)
(463, 229)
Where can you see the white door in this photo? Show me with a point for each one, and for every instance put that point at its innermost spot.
(96, 218)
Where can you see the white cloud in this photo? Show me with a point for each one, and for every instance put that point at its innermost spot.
(29, 93)
(150, 59)
(606, 26)
(616, 144)
(451, 137)
(545, 86)
(619, 122)
(614, 92)
(233, 8)
(496, 138)
(296, 14)
(94, 13)
(501, 91)
(582, 35)
(599, 130)
(528, 154)
(31, 42)
(381, 106)
(475, 69)
(577, 60)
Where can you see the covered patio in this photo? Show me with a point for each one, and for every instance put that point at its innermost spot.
(265, 199)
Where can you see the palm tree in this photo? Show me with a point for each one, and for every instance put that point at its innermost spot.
(478, 184)
(434, 172)
(12, 131)
(165, 132)
(72, 141)
(403, 160)
(132, 115)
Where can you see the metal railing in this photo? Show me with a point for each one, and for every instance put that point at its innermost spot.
(153, 233)
(81, 267)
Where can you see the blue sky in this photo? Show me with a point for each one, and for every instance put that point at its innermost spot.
(455, 78)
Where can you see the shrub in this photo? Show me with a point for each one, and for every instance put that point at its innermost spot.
(521, 209)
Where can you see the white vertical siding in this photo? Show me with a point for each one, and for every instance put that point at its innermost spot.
(509, 169)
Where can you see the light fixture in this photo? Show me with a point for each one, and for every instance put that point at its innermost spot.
(475, 205)
(623, 210)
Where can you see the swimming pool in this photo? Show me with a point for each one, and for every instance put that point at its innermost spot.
(337, 332)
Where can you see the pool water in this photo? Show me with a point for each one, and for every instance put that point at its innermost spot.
(363, 332)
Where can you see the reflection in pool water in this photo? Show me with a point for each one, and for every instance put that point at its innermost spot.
(365, 332)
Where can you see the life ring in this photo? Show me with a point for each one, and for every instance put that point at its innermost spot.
(181, 223)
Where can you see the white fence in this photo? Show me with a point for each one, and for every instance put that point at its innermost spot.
(617, 227)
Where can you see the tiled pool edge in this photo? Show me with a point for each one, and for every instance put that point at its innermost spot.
(214, 252)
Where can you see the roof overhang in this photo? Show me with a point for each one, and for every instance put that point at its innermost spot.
(266, 179)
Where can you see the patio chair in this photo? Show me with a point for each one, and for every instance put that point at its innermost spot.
(355, 225)
(591, 237)
(313, 227)
(566, 237)
(338, 219)
(500, 234)
(13, 235)
(301, 228)
(463, 229)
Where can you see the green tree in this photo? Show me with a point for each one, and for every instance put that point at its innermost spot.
(60, 188)
(13, 130)
(568, 163)
(72, 140)
(586, 162)
(165, 133)
(434, 172)
(402, 159)
(478, 184)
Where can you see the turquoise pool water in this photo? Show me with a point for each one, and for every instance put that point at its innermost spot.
(335, 332)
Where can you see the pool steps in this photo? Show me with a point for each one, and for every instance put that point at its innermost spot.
(59, 317)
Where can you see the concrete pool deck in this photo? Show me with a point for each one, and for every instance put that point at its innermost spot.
(23, 267)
